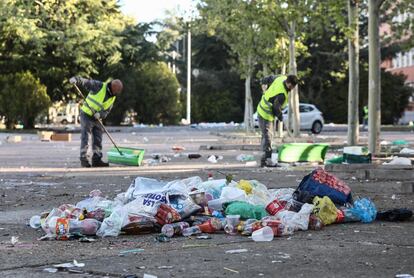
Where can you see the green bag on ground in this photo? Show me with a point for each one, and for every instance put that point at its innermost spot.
(245, 210)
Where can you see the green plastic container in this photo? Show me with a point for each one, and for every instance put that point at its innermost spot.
(130, 156)
(335, 160)
(302, 152)
(357, 159)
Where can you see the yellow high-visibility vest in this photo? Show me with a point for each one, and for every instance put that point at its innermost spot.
(265, 108)
(95, 102)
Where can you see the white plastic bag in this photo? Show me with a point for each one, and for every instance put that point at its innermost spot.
(282, 194)
(112, 225)
(142, 186)
(260, 194)
(399, 161)
(147, 204)
(228, 194)
(301, 219)
(297, 220)
(212, 188)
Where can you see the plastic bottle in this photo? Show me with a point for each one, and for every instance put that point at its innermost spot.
(211, 226)
(54, 213)
(315, 223)
(284, 230)
(217, 214)
(191, 231)
(247, 227)
(293, 205)
(63, 227)
(245, 157)
(87, 227)
(197, 219)
(174, 229)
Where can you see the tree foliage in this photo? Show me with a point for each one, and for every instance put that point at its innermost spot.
(151, 90)
(57, 39)
(22, 98)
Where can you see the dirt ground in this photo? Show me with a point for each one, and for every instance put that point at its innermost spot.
(37, 176)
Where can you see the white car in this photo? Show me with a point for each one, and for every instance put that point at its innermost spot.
(63, 118)
(310, 118)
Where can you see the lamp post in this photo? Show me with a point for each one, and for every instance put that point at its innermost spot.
(189, 74)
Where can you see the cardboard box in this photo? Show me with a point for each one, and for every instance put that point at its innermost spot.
(14, 139)
(45, 135)
(61, 137)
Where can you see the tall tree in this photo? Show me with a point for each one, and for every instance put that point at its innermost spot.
(291, 16)
(238, 24)
(374, 79)
(56, 39)
(22, 98)
(353, 60)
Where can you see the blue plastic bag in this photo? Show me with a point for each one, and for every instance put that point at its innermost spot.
(365, 209)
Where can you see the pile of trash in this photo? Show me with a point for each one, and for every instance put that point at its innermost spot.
(192, 206)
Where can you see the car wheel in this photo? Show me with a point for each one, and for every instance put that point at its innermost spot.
(316, 127)
(64, 122)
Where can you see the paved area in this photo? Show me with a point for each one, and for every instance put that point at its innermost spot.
(36, 176)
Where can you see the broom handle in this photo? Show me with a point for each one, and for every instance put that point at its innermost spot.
(99, 121)
(287, 127)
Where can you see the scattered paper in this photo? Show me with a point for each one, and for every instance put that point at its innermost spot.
(50, 269)
(165, 267)
(236, 251)
(14, 240)
(68, 265)
(149, 276)
(229, 269)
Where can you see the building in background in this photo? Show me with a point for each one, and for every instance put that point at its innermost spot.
(403, 63)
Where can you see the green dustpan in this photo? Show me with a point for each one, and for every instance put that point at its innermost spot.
(302, 152)
(129, 156)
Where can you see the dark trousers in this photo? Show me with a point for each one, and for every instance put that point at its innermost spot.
(90, 128)
(267, 133)
(364, 123)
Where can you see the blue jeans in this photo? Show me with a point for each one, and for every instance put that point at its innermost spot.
(90, 127)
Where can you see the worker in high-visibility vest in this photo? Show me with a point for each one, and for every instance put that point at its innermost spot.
(365, 118)
(96, 106)
(273, 101)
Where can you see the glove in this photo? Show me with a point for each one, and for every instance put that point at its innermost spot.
(72, 80)
(97, 116)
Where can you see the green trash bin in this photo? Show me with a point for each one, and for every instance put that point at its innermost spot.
(302, 152)
(130, 156)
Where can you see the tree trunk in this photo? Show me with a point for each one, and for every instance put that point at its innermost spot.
(283, 71)
(265, 70)
(353, 87)
(374, 78)
(248, 106)
(293, 115)
(10, 123)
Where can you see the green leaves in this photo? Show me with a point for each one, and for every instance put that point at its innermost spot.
(56, 38)
(22, 98)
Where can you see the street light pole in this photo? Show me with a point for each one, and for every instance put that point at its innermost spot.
(189, 75)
